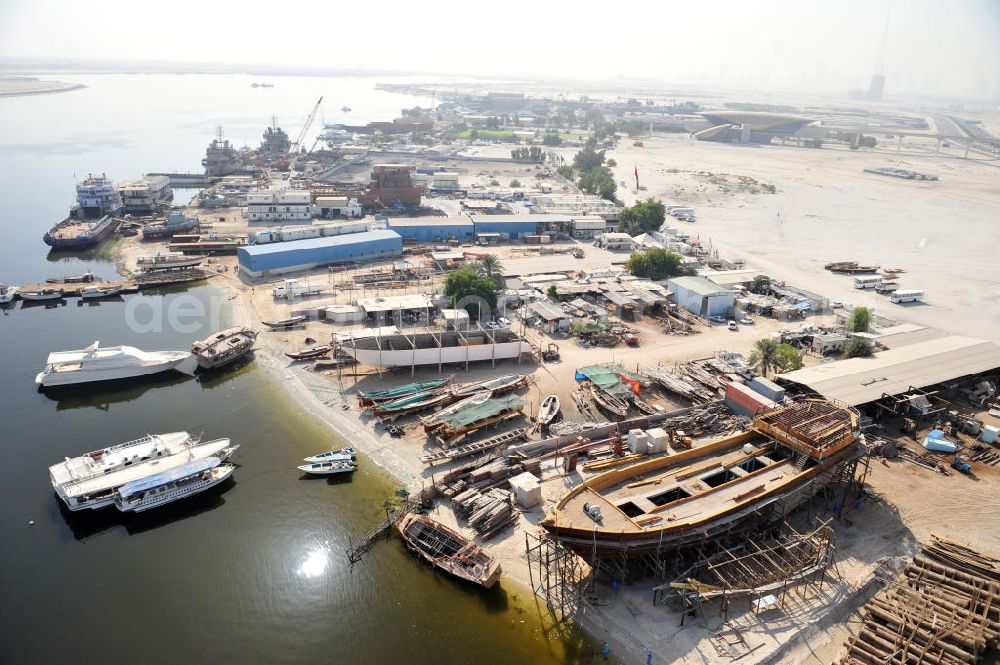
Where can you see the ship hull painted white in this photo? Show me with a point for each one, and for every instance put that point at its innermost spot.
(210, 449)
(53, 379)
(218, 476)
(450, 354)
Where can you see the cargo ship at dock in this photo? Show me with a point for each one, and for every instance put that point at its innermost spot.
(94, 217)
(676, 501)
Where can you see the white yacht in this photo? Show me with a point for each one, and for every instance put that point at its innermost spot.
(98, 490)
(169, 486)
(106, 460)
(103, 364)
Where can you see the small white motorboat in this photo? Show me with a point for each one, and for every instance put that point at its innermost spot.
(42, 294)
(339, 454)
(94, 292)
(328, 468)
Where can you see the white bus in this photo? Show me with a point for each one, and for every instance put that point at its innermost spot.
(909, 295)
(867, 281)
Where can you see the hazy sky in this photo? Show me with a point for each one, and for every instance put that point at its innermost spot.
(933, 47)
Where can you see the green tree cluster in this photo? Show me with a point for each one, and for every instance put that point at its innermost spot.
(566, 171)
(642, 217)
(656, 263)
(771, 356)
(858, 347)
(528, 154)
(859, 320)
(599, 180)
(551, 139)
(761, 284)
(478, 290)
(588, 159)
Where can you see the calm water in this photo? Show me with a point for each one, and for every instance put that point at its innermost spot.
(256, 572)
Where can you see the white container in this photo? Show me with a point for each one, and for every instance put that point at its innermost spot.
(527, 489)
(989, 433)
(658, 439)
(637, 441)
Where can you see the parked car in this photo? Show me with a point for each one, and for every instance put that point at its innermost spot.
(717, 319)
(504, 322)
(747, 321)
(732, 325)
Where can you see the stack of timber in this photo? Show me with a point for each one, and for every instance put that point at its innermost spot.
(487, 512)
(945, 609)
(468, 450)
(689, 390)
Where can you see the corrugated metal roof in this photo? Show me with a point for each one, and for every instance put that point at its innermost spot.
(547, 311)
(320, 243)
(521, 219)
(698, 285)
(862, 380)
(429, 221)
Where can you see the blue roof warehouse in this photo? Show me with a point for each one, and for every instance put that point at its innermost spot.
(431, 229)
(282, 257)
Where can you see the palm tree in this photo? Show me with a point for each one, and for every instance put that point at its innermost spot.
(491, 268)
(765, 357)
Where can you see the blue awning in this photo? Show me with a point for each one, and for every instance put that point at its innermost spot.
(166, 477)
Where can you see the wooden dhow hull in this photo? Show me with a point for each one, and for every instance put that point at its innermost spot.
(680, 500)
(448, 550)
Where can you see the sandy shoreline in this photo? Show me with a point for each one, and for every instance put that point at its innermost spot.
(16, 86)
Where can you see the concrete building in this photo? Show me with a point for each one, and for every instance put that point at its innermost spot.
(433, 229)
(616, 242)
(283, 257)
(749, 126)
(144, 196)
(333, 207)
(409, 308)
(455, 319)
(700, 296)
(588, 228)
(278, 205)
(391, 185)
(514, 227)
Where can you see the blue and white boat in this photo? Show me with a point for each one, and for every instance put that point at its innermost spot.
(94, 217)
(332, 455)
(329, 468)
(168, 486)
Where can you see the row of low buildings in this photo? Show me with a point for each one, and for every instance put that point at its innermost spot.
(282, 205)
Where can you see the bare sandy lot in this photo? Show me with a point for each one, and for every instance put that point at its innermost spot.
(944, 233)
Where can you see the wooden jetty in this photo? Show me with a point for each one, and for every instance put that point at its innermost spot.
(449, 454)
(356, 552)
(135, 284)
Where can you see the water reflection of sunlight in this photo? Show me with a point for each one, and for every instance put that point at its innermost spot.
(315, 563)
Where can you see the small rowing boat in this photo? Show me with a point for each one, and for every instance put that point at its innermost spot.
(497, 386)
(549, 410)
(328, 468)
(608, 402)
(417, 402)
(306, 354)
(389, 394)
(290, 322)
(42, 294)
(332, 455)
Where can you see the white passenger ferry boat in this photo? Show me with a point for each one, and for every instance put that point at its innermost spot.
(168, 486)
(98, 489)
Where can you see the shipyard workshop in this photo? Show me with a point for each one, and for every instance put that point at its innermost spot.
(270, 259)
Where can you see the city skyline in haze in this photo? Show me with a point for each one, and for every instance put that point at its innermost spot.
(932, 47)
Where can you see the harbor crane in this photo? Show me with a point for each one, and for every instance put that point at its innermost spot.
(296, 147)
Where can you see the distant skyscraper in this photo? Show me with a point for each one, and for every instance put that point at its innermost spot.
(877, 88)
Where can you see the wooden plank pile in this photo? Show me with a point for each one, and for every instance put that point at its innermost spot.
(677, 385)
(486, 512)
(945, 609)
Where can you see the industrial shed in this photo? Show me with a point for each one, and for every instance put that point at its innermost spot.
(432, 229)
(517, 226)
(283, 257)
(858, 381)
(701, 296)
